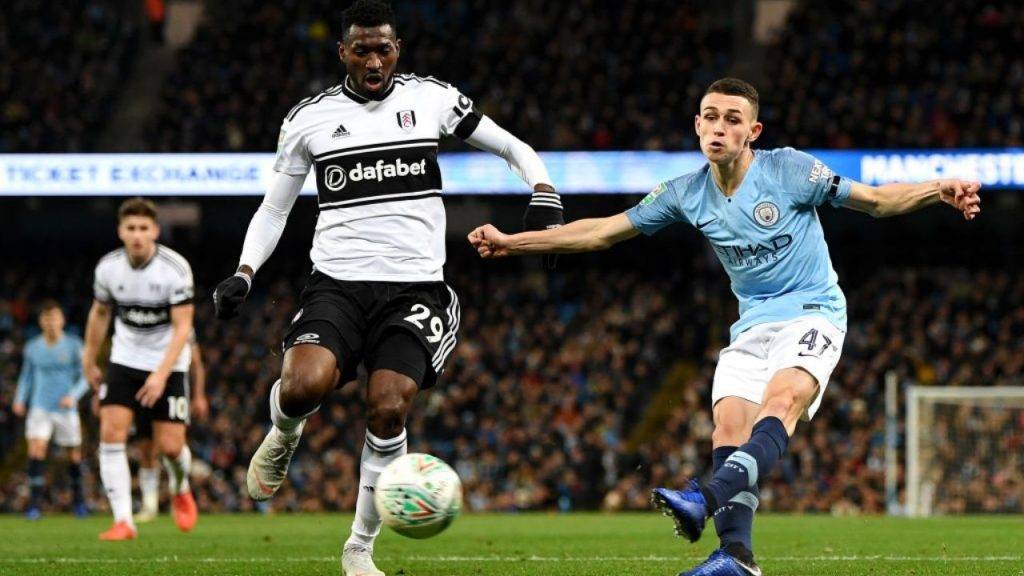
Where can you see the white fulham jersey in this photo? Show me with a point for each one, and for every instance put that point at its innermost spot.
(142, 299)
(377, 177)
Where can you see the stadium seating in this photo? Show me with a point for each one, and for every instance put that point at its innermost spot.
(560, 76)
(921, 75)
(60, 73)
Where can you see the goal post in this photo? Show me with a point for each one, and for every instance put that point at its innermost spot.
(964, 450)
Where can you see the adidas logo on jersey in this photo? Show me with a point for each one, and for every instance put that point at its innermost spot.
(335, 177)
(340, 132)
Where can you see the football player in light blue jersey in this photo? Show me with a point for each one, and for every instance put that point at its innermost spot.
(758, 209)
(49, 388)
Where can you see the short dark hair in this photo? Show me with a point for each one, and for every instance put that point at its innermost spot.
(735, 87)
(137, 206)
(366, 13)
(47, 305)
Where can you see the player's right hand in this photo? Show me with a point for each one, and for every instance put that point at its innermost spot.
(962, 195)
(19, 409)
(490, 242)
(230, 294)
(200, 407)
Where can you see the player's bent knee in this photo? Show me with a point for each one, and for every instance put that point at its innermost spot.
(729, 434)
(388, 401)
(733, 418)
(114, 423)
(171, 442)
(306, 378)
(386, 419)
(169, 438)
(789, 392)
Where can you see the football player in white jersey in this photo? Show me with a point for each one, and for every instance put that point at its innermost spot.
(377, 294)
(148, 288)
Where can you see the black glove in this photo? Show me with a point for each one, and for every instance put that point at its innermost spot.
(543, 213)
(230, 294)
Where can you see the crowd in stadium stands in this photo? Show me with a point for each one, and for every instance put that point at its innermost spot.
(565, 75)
(547, 396)
(896, 74)
(574, 75)
(60, 72)
(845, 74)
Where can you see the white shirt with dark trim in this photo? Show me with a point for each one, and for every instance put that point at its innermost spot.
(142, 298)
(378, 180)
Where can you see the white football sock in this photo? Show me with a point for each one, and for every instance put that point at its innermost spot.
(117, 480)
(178, 469)
(289, 425)
(377, 454)
(149, 485)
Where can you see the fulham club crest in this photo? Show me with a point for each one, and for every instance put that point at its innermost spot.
(406, 120)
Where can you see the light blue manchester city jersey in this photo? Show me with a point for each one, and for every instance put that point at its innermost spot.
(767, 235)
(48, 373)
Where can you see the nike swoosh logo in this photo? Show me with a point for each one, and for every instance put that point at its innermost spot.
(699, 225)
(806, 354)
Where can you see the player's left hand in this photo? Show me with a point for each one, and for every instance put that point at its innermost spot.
(68, 402)
(543, 217)
(153, 389)
(962, 195)
(200, 407)
(230, 295)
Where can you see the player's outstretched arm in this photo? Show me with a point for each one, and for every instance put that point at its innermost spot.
(894, 199)
(545, 208)
(261, 238)
(587, 235)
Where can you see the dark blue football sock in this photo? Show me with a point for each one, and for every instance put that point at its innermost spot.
(75, 472)
(739, 473)
(734, 521)
(36, 482)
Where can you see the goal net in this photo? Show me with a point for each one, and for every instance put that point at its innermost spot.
(965, 450)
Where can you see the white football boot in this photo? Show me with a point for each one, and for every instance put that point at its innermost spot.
(269, 465)
(358, 561)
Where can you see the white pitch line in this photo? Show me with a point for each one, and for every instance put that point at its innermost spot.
(263, 560)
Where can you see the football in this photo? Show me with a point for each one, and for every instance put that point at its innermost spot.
(418, 495)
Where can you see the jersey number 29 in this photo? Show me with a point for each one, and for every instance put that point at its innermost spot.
(421, 313)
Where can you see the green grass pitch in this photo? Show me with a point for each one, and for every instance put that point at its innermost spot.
(506, 545)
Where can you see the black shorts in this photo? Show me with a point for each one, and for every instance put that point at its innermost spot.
(142, 424)
(123, 383)
(352, 319)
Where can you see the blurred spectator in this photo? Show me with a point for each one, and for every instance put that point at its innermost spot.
(156, 15)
